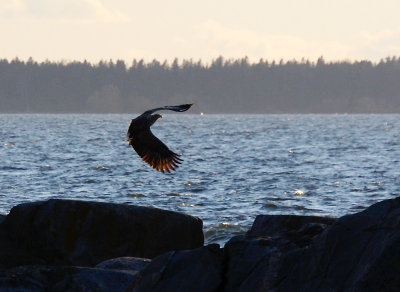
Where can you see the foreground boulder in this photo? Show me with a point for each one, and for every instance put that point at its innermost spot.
(2, 217)
(59, 278)
(198, 270)
(70, 232)
(124, 263)
(254, 260)
(359, 252)
(297, 229)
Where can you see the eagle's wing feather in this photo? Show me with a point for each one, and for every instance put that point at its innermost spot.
(154, 152)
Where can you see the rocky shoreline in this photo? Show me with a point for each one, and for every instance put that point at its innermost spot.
(69, 245)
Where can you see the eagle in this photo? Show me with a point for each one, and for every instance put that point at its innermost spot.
(148, 146)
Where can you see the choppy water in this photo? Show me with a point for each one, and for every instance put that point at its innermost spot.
(235, 166)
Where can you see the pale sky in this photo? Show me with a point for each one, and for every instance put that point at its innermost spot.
(154, 29)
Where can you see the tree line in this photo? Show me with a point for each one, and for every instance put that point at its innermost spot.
(221, 86)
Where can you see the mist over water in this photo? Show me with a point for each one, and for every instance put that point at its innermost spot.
(235, 166)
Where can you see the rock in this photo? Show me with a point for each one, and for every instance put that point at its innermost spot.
(2, 217)
(256, 257)
(247, 255)
(359, 252)
(70, 232)
(12, 254)
(46, 278)
(125, 263)
(186, 270)
(297, 229)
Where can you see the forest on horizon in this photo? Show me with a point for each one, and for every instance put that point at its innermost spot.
(222, 86)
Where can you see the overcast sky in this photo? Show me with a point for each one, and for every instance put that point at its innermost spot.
(118, 29)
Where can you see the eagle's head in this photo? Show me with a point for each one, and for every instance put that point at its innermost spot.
(154, 118)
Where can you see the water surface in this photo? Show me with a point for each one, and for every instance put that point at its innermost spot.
(235, 166)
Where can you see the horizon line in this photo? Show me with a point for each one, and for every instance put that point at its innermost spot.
(181, 61)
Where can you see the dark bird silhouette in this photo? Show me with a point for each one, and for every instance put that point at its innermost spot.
(148, 146)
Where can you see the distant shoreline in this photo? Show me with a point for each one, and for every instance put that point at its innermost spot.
(223, 86)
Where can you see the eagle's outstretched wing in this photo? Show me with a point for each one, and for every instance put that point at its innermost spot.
(154, 152)
(176, 108)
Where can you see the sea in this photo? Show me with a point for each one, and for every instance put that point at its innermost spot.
(235, 166)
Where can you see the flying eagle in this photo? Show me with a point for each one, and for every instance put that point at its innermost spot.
(148, 146)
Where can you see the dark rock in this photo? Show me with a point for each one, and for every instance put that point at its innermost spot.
(360, 252)
(125, 263)
(270, 225)
(2, 217)
(246, 255)
(87, 279)
(12, 254)
(186, 270)
(46, 278)
(298, 229)
(69, 232)
(258, 254)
